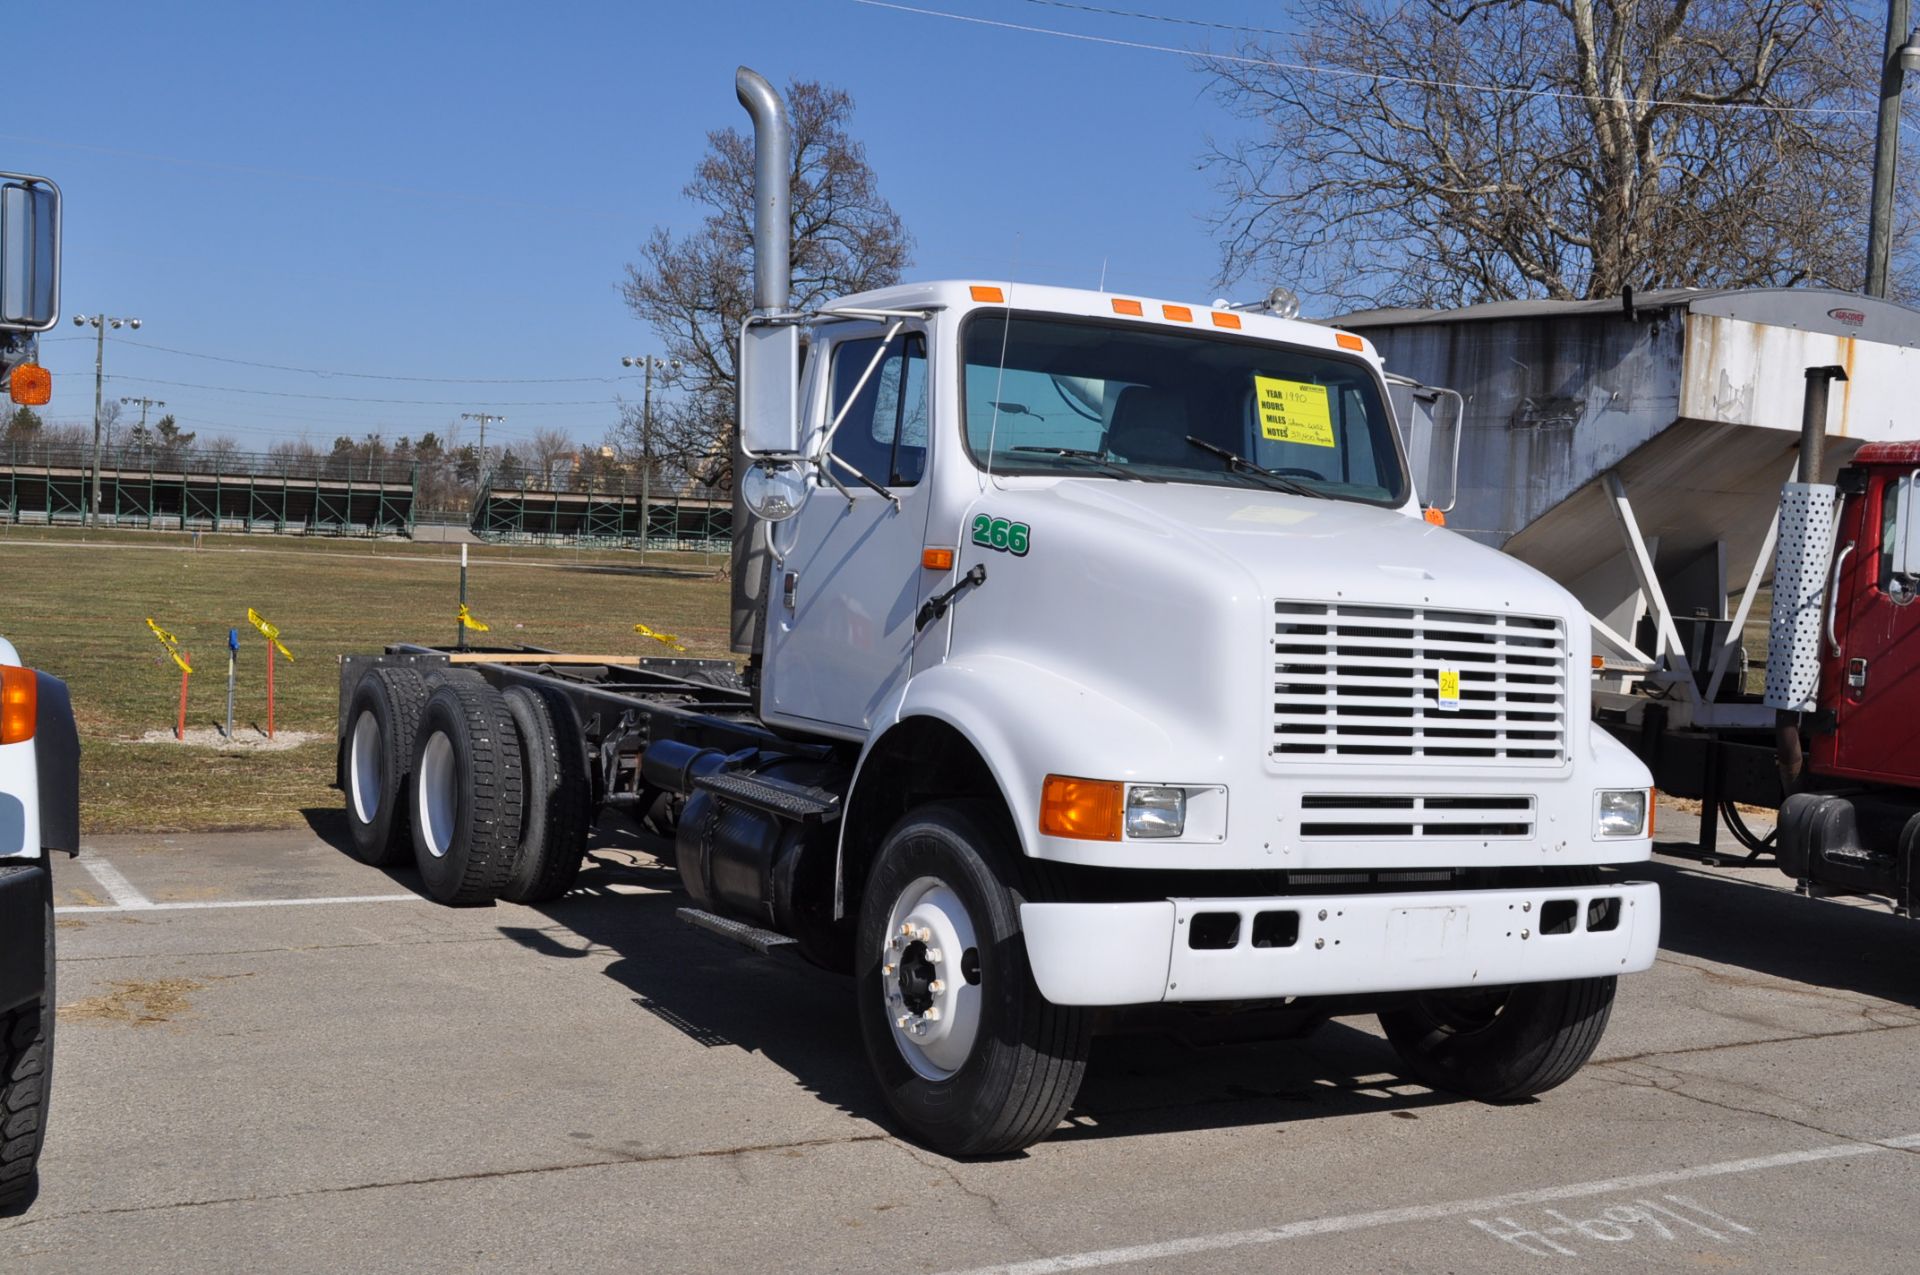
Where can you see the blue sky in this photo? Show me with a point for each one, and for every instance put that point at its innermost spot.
(452, 190)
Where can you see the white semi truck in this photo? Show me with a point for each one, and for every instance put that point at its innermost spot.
(1101, 658)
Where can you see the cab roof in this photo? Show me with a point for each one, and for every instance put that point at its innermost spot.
(959, 295)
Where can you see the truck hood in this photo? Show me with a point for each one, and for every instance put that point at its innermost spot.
(1285, 546)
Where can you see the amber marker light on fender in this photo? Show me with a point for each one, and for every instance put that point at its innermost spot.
(1084, 809)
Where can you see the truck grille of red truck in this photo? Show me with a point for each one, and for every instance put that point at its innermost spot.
(1358, 682)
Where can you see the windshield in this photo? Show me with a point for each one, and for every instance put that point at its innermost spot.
(1046, 395)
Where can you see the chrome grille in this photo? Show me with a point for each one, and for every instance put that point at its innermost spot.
(1330, 816)
(1363, 682)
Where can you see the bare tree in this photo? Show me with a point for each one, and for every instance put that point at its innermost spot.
(548, 448)
(1443, 152)
(695, 291)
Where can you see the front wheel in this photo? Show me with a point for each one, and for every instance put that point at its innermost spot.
(26, 1078)
(970, 1056)
(1501, 1044)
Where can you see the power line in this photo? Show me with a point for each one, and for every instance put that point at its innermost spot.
(1160, 17)
(348, 398)
(382, 376)
(1375, 77)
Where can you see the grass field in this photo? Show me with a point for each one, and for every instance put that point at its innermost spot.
(75, 604)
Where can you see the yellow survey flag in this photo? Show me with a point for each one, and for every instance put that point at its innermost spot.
(172, 644)
(270, 632)
(469, 621)
(666, 639)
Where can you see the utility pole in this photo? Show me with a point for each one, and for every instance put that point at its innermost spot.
(667, 368)
(1902, 55)
(100, 322)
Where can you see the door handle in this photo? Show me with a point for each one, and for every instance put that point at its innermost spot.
(792, 584)
(1857, 674)
(1833, 599)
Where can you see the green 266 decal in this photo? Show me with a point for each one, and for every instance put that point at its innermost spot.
(997, 533)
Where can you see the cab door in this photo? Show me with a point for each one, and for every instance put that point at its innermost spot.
(1876, 674)
(847, 580)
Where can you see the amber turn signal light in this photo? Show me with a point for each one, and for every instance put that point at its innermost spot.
(1084, 809)
(30, 385)
(937, 559)
(1436, 516)
(19, 704)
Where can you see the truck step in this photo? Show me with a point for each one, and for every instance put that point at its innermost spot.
(775, 796)
(765, 942)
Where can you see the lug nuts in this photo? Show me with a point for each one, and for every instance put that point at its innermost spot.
(934, 956)
(936, 987)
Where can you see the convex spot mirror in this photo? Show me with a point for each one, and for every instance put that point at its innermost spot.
(29, 253)
(775, 489)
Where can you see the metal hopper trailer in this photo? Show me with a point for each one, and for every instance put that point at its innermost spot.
(1665, 454)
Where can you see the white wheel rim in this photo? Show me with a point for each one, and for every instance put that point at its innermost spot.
(934, 1024)
(438, 798)
(363, 768)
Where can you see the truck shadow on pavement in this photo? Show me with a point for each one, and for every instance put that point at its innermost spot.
(1768, 930)
(803, 1020)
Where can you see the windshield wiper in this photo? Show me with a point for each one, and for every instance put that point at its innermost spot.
(1092, 458)
(1280, 482)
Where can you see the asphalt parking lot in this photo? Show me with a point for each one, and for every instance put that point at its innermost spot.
(271, 1057)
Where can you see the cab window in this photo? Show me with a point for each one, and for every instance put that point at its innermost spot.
(884, 433)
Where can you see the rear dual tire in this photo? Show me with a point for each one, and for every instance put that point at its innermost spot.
(468, 793)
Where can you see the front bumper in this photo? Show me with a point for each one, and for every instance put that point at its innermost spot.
(1141, 953)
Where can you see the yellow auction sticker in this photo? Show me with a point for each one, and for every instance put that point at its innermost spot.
(1294, 412)
(1450, 688)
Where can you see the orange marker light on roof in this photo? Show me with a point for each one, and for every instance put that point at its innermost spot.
(1083, 809)
(1178, 313)
(1348, 341)
(30, 385)
(982, 292)
(19, 704)
(1221, 319)
(1126, 307)
(937, 559)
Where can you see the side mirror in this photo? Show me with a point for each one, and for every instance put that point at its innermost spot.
(29, 253)
(769, 388)
(1430, 421)
(1906, 530)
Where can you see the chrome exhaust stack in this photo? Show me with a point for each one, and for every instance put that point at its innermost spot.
(772, 294)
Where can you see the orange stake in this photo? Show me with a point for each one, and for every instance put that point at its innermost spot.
(180, 729)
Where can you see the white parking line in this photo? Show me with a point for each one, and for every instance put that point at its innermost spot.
(145, 904)
(118, 888)
(1431, 1212)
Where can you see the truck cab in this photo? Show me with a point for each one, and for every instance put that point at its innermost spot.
(1147, 587)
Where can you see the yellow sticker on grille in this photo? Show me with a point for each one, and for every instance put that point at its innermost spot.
(1293, 411)
(1450, 688)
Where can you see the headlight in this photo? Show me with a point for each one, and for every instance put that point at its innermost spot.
(1156, 811)
(1620, 812)
(774, 489)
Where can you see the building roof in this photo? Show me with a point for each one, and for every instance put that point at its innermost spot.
(1827, 310)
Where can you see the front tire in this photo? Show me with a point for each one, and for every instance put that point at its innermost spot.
(1498, 1045)
(969, 1055)
(26, 1083)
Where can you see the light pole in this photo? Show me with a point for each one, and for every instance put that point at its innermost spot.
(485, 419)
(144, 403)
(100, 322)
(668, 368)
(1900, 58)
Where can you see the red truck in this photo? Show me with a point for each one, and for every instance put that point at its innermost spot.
(1851, 824)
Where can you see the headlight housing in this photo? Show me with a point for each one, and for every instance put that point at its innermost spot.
(1156, 811)
(1620, 813)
